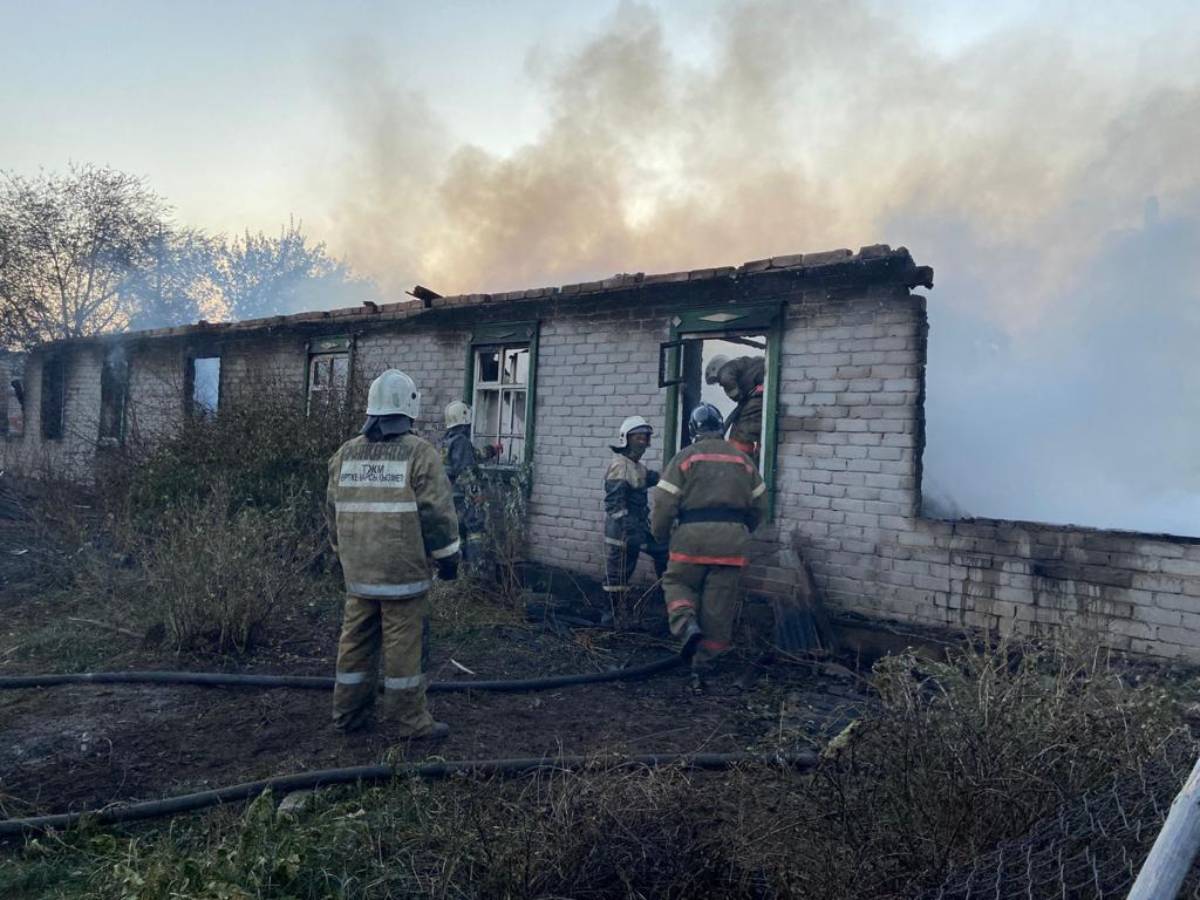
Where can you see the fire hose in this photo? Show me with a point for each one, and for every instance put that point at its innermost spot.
(322, 683)
(284, 784)
(308, 780)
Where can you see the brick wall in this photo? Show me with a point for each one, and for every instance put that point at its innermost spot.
(434, 357)
(594, 369)
(73, 454)
(847, 485)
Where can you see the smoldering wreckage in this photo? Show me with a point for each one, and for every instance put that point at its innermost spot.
(706, 448)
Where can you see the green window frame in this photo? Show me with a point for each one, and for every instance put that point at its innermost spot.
(510, 335)
(321, 368)
(765, 319)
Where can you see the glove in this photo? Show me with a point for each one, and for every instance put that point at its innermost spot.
(448, 567)
(651, 478)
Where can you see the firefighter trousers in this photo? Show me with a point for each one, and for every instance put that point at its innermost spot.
(397, 630)
(470, 528)
(708, 596)
(620, 559)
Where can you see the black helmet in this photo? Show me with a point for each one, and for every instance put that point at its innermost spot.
(705, 418)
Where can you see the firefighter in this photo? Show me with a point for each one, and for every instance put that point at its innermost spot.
(461, 460)
(742, 381)
(715, 494)
(627, 515)
(390, 509)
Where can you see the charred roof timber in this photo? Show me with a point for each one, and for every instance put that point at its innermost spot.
(425, 295)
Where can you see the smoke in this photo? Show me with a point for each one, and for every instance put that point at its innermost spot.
(1061, 379)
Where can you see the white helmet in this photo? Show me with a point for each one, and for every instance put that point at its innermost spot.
(457, 413)
(393, 394)
(713, 367)
(631, 424)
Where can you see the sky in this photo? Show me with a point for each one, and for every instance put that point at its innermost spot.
(1043, 157)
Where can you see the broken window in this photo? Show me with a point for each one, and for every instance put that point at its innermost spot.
(729, 358)
(12, 394)
(328, 371)
(204, 384)
(54, 397)
(114, 391)
(500, 383)
(14, 419)
(15, 408)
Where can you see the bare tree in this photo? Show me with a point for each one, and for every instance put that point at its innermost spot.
(259, 275)
(70, 245)
(179, 285)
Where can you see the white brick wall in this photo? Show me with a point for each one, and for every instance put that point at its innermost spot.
(848, 459)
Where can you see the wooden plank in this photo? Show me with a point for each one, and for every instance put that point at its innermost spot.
(1175, 848)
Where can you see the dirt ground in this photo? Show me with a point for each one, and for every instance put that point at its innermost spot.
(81, 747)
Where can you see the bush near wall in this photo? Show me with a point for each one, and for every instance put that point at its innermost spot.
(266, 450)
(211, 526)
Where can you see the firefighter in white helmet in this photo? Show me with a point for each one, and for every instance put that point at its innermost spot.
(461, 460)
(627, 516)
(390, 510)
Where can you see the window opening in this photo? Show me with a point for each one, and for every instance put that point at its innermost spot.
(745, 384)
(741, 376)
(54, 397)
(501, 386)
(328, 372)
(114, 392)
(500, 400)
(15, 407)
(12, 394)
(206, 384)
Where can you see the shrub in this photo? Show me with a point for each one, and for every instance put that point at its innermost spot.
(503, 495)
(960, 755)
(265, 449)
(211, 525)
(214, 577)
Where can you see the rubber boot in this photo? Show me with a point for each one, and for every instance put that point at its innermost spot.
(691, 640)
(620, 610)
(438, 731)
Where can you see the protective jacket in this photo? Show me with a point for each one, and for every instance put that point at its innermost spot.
(389, 507)
(626, 501)
(715, 493)
(740, 378)
(742, 381)
(459, 454)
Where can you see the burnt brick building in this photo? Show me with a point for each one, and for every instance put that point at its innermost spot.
(551, 372)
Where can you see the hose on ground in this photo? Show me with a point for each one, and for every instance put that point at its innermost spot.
(321, 683)
(284, 784)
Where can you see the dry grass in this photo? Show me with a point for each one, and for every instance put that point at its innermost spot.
(215, 579)
(44, 525)
(199, 533)
(953, 758)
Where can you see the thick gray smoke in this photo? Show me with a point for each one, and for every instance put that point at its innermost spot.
(1054, 184)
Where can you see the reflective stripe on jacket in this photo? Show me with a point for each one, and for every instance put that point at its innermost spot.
(389, 507)
(710, 474)
(626, 502)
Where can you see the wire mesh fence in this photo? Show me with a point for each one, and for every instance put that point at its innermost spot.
(1092, 848)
